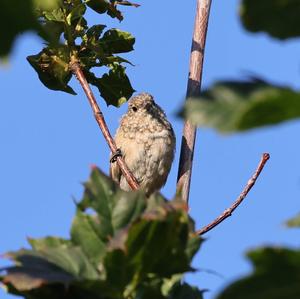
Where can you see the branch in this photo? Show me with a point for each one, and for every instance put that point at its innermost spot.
(77, 71)
(193, 89)
(248, 187)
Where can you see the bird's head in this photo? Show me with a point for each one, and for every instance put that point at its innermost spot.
(141, 104)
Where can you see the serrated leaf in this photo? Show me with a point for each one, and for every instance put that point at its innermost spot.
(294, 222)
(122, 246)
(278, 18)
(48, 242)
(231, 106)
(33, 271)
(115, 208)
(72, 260)
(84, 233)
(99, 195)
(162, 232)
(275, 276)
(52, 68)
(127, 209)
(116, 41)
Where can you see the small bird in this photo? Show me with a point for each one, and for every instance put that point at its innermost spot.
(146, 140)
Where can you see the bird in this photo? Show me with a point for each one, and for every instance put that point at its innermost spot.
(146, 141)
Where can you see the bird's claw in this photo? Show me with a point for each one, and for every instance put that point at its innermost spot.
(115, 155)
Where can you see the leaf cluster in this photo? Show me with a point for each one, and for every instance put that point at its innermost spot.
(64, 27)
(122, 245)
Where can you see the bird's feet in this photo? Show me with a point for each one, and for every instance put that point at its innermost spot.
(115, 155)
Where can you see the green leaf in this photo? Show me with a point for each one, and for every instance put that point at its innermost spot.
(109, 7)
(52, 67)
(231, 106)
(93, 34)
(294, 222)
(22, 14)
(71, 259)
(115, 209)
(163, 233)
(114, 87)
(105, 6)
(275, 276)
(46, 5)
(122, 246)
(110, 60)
(52, 266)
(98, 51)
(127, 3)
(116, 41)
(33, 271)
(48, 242)
(76, 13)
(185, 291)
(99, 194)
(51, 32)
(55, 15)
(127, 209)
(278, 18)
(84, 233)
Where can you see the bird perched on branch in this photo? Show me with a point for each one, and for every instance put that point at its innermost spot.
(146, 140)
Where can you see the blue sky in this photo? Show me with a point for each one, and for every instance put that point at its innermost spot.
(49, 139)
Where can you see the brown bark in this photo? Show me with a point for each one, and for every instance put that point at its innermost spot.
(77, 71)
(228, 212)
(193, 89)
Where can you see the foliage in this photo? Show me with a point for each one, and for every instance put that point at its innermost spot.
(294, 222)
(122, 245)
(276, 276)
(63, 26)
(235, 106)
(231, 106)
(22, 12)
(278, 18)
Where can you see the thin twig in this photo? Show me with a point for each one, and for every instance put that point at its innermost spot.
(77, 71)
(193, 89)
(228, 212)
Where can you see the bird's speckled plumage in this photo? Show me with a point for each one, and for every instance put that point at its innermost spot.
(147, 142)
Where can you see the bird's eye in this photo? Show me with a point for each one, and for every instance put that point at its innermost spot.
(134, 109)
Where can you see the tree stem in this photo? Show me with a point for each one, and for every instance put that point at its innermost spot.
(193, 89)
(77, 71)
(228, 212)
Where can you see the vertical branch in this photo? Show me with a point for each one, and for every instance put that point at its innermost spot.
(193, 89)
(77, 71)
